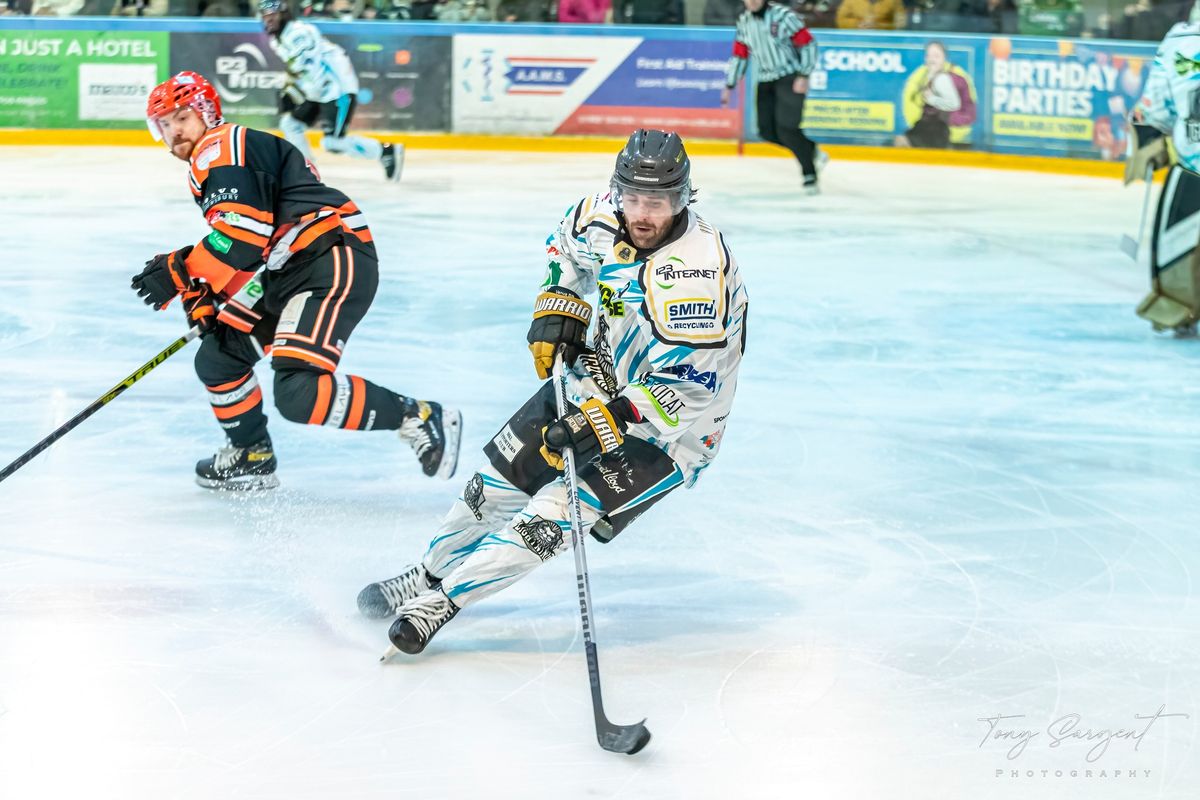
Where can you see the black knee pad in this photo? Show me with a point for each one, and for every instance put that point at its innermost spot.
(296, 393)
(224, 355)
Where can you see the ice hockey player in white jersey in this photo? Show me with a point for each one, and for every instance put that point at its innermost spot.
(651, 396)
(1166, 131)
(322, 90)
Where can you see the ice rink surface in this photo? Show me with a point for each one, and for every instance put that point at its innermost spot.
(959, 482)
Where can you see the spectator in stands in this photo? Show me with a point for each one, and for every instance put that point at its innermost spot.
(722, 12)
(523, 11)
(1143, 20)
(462, 11)
(12, 8)
(817, 13)
(56, 8)
(652, 12)
(345, 10)
(987, 16)
(884, 15)
(587, 11)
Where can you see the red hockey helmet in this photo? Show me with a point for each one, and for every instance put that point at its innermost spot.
(186, 89)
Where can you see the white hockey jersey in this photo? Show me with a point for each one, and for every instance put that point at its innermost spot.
(670, 327)
(1171, 98)
(320, 69)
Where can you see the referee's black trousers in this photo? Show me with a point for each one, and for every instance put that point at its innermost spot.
(780, 115)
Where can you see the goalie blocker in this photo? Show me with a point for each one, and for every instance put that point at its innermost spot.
(1174, 299)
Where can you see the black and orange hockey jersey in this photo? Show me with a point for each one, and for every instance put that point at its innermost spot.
(265, 203)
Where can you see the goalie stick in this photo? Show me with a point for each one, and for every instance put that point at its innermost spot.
(1129, 245)
(627, 739)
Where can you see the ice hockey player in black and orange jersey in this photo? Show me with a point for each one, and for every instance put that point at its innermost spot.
(288, 270)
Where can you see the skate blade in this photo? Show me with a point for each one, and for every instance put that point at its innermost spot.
(391, 651)
(249, 483)
(452, 428)
(399, 164)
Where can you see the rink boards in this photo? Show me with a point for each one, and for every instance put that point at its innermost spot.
(1059, 98)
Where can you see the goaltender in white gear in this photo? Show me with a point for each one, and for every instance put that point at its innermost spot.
(1166, 130)
(322, 90)
(654, 390)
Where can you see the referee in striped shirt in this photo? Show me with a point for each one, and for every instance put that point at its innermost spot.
(785, 54)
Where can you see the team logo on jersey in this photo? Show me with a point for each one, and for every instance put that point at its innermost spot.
(473, 495)
(624, 253)
(222, 195)
(665, 400)
(711, 441)
(220, 242)
(1185, 66)
(541, 536)
(686, 372)
(610, 301)
(674, 269)
(208, 155)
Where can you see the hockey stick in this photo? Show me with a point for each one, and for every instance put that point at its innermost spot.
(104, 400)
(1129, 245)
(627, 739)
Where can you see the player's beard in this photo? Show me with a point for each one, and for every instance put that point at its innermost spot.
(646, 233)
(183, 149)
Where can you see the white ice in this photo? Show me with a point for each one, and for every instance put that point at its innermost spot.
(958, 483)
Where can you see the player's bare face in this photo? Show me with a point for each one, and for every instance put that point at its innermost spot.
(648, 218)
(754, 6)
(182, 129)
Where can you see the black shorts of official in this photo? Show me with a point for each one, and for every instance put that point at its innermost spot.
(332, 118)
(309, 308)
(635, 471)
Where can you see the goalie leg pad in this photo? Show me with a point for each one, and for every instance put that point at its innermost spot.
(1174, 299)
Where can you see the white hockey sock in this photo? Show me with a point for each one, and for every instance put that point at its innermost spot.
(485, 504)
(535, 534)
(293, 130)
(357, 146)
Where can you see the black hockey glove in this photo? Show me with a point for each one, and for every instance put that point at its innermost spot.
(164, 277)
(593, 430)
(290, 98)
(200, 308)
(559, 317)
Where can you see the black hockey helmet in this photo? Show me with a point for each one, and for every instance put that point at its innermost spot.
(654, 162)
(282, 13)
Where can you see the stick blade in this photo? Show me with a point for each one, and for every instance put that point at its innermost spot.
(1129, 247)
(627, 739)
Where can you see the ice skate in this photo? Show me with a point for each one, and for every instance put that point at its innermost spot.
(434, 434)
(421, 618)
(235, 468)
(393, 161)
(384, 598)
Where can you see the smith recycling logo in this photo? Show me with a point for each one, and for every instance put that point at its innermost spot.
(548, 76)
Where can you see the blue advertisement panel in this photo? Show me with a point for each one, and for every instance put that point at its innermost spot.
(1064, 97)
(873, 89)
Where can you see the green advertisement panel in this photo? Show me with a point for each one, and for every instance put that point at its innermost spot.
(79, 79)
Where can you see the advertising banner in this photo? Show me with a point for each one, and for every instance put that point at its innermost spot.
(404, 80)
(78, 79)
(601, 85)
(872, 89)
(1064, 98)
